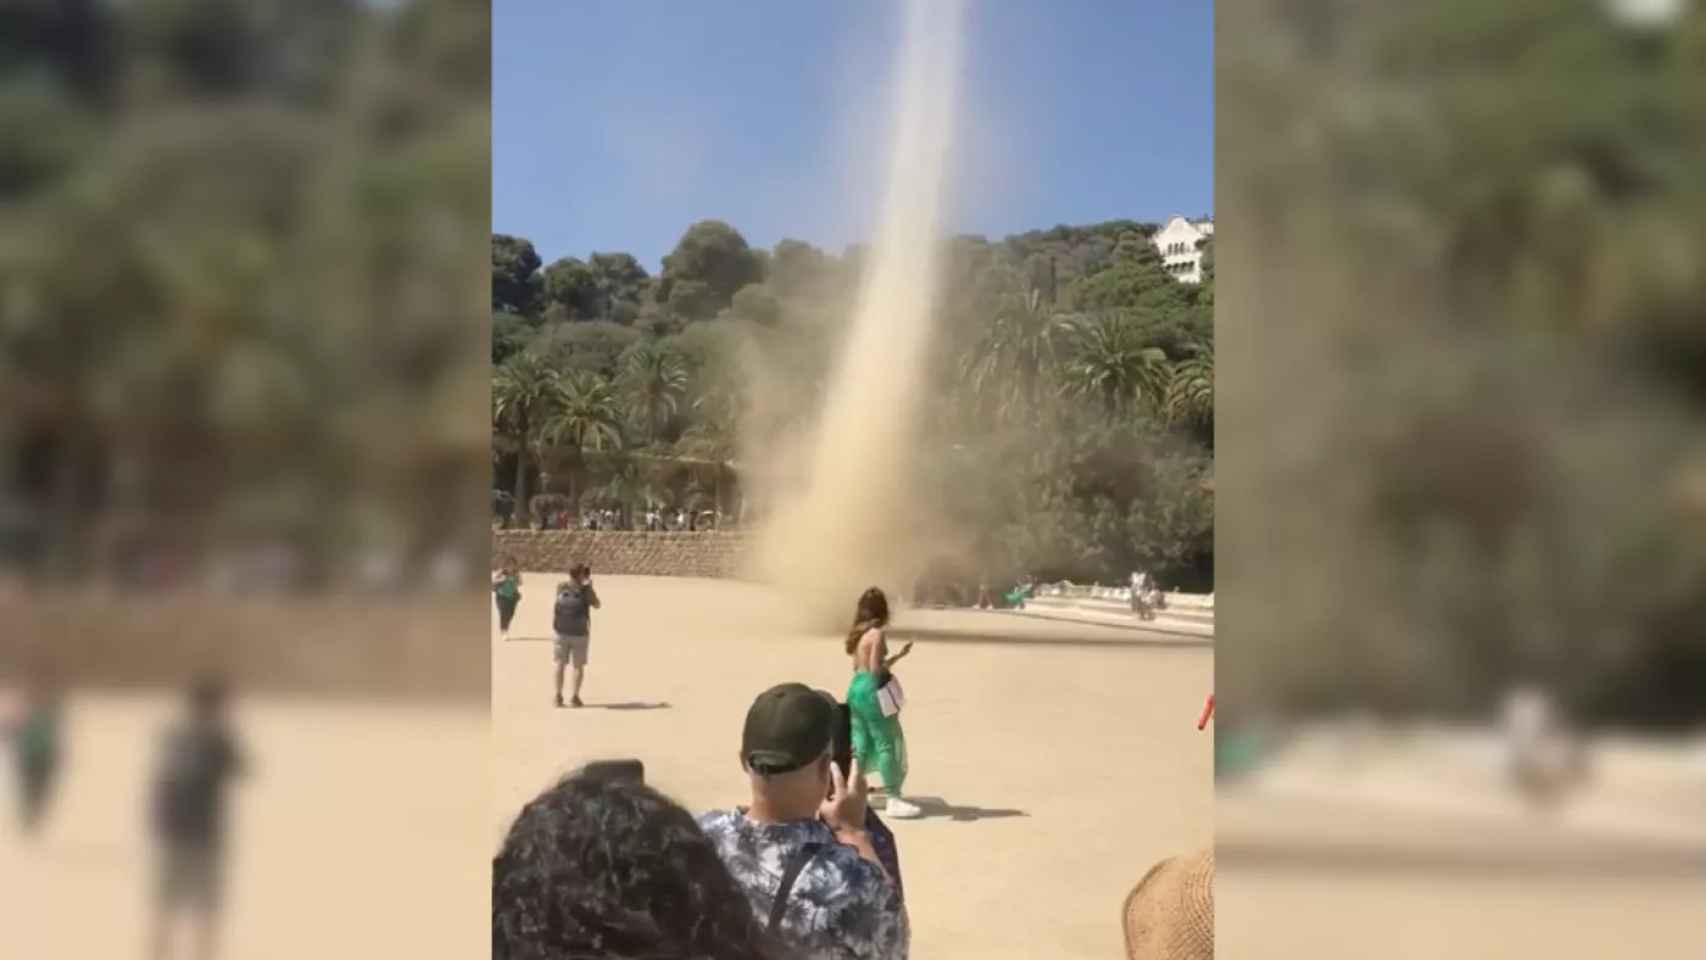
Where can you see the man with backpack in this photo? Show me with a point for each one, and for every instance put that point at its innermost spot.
(572, 621)
(808, 865)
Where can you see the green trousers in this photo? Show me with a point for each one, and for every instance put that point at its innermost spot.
(877, 740)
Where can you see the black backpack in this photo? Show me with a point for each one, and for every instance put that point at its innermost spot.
(570, 614)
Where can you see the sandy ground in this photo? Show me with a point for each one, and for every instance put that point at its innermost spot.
(1413, 846)
(360, 834)
(1061, 771)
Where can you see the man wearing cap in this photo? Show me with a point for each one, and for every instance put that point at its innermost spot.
(806, 863)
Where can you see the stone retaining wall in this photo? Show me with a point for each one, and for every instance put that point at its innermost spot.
(626, 553)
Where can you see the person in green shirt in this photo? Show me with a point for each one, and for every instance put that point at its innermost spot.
(506, 588)
(36, 750)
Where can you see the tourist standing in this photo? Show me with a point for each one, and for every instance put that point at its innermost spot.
(874, 698)
(572, 620)
(506, 589)
(35, 736)
(808, 865)
(198, 760)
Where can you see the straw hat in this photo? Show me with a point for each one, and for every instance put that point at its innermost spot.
(1170, 914)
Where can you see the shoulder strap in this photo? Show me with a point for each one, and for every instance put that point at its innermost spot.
(801, 861)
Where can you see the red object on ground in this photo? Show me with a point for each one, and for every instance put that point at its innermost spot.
(1207, 711)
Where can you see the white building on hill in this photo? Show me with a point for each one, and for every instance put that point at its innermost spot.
(1180, 245)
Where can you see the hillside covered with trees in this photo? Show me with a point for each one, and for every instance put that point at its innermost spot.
(1074, 413)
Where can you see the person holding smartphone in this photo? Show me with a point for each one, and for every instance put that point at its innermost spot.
(882, 838)
(572, 620)
(808, 864)
(877, 737)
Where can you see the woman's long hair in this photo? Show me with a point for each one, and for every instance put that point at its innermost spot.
(873, 612)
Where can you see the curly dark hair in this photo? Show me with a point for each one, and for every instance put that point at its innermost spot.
(598, 868)
(873, 611)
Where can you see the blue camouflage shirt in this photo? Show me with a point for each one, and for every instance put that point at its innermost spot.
(842, 906)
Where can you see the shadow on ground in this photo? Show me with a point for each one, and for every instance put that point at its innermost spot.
(628, 706)
(938, 808)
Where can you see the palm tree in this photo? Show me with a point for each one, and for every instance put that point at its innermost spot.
(653, 382)
(524, 392)
(585, 416)
(1190, 392)
(1111, 361)
(1014, 352)
(715, 435)
(628, 484)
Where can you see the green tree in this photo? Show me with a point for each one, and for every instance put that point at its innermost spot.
(654, 382)
(1006, 367)
(1190, 389)
(596, 347)
(572, 285)
(510, 332)
(525, 395)
(516, 284)
(1109, 361)
(621, 286)
(585, 416)
(707, 267)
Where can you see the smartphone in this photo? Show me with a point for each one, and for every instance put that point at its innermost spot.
(633, 771)
(844, 739)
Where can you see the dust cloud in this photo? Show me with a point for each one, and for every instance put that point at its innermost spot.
(850, 520)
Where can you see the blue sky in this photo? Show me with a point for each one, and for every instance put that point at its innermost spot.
(617, 124)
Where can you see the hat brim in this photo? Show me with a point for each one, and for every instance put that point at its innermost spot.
(1169, 915)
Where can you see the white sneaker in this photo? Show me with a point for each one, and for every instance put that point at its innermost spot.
(899, 809)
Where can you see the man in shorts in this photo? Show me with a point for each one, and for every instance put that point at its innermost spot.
(572, 619)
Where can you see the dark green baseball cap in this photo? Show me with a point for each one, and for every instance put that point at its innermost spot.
(789, 726)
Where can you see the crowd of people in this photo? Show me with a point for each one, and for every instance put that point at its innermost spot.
(652, 519)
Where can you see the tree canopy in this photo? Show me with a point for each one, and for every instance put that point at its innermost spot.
(1075, 334)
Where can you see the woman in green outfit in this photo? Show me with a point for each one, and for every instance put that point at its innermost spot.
(877, 739)
(506, 587)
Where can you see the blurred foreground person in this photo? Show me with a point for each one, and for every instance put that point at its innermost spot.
(1170, 914)
(199, 757)
(1544, 757)
(808, 865)
(606, 867)
(36, 749)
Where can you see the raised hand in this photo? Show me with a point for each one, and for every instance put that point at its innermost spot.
(844, 811)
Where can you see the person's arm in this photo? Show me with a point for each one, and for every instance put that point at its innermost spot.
(860, 840)
(891, 661)
(844, 813)
(592, 598)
